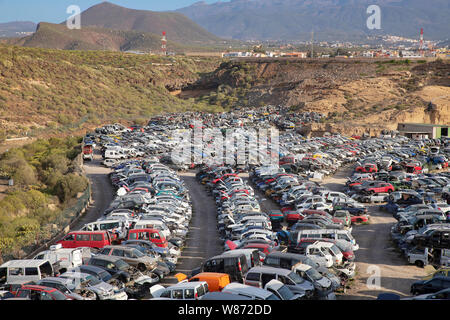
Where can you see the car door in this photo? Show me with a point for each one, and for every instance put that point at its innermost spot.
(266, 277)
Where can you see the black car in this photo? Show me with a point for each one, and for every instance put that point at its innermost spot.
(430, 286)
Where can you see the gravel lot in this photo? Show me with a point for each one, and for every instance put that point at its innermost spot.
(376, 249)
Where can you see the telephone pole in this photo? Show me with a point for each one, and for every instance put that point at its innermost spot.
(312, 44)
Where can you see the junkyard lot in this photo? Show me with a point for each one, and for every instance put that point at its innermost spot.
(375, 249)
(396, 275)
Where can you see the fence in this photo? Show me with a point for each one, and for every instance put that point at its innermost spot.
(52, 232)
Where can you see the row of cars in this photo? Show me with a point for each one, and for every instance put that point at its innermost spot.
(132, 247)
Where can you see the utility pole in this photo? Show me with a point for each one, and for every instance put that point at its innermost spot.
(312, 44)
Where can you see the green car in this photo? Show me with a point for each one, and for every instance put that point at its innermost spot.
(344, 216)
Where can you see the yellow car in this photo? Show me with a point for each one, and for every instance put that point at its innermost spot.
(432, 272)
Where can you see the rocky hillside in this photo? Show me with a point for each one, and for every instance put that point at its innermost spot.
(364, 94)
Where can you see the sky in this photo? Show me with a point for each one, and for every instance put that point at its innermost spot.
(55, 11)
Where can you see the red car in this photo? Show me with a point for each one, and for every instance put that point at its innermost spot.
(367, 168)
(321, 213)
(265, 248)
(152, 235)
(381, 187)
(34, 292)
(91, 239)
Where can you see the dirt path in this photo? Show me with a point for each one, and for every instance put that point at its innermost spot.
(376, 249)
(203, 240)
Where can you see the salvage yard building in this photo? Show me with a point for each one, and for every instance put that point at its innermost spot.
(423, 130)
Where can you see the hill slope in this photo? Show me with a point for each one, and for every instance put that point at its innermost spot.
(179, 28)
(56, 36)
(330, 19)
(46, 91)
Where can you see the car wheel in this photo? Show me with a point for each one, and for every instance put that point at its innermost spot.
(419, 263)
(141, 267)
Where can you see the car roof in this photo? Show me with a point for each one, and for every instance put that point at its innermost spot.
(270, 269)
(25, 263)
(186, 285)
(105, 257)
(239, 287)
(223, 296)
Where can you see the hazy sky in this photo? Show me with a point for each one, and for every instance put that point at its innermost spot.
(55, 10)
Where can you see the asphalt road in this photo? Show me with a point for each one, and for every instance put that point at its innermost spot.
(203, 240)
(102, 191)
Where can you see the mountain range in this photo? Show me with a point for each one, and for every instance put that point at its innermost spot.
(329, 19)
(16, 28)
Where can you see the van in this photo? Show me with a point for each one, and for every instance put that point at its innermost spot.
(181, 291)
(253, 255)
(286, 260)
(260, 276)
(334, 234)
(114, 154)
(22, 271)
(60, 258)
(234, 264)
(153, 224)
(91, 239)
(152, 235)
(216, 281)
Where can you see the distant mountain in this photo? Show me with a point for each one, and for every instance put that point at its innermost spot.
(330, 19)
(16, 28)
(58, 36)
(178, 27)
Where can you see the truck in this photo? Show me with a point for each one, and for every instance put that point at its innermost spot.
(423, 256)
(62, 259)
(88, 152)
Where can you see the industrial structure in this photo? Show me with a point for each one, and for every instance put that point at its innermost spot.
(423, 130)
(164, 44)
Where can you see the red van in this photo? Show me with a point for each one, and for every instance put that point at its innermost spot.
(92, 239)
(152, 235)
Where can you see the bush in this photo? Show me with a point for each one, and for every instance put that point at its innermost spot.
(69, 186)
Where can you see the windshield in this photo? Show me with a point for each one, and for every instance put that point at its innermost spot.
(285, 293)
(313, 274)
(92, 280)
(58, 295)
(272, 297)
(138, 253)
(335, 250)
(296, 278)
(121, 265)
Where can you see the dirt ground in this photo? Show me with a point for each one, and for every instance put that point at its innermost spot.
(376, 249)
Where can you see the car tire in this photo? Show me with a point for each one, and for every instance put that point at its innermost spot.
(141, 267)
(419, 263)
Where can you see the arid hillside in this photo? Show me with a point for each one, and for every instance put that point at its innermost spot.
(357, 95)
(44, 91)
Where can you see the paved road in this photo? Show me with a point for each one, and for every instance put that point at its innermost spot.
(203, 240)
(102, 191)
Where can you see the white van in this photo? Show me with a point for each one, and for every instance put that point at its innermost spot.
(22, 271)
(61, 258)
(333, 234)
(115, 154)
(153, 224)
